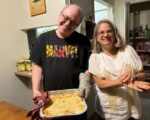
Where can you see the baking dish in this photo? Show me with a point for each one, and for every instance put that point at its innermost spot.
(69, 104)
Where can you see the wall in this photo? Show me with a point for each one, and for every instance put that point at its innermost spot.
(142, 19)
(145, 18)
(108, 1)
(15, 15)
(87, 11)
(53, 8)
(13, 45)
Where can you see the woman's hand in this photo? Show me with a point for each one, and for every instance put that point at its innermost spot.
(126, 78)
(139, 85)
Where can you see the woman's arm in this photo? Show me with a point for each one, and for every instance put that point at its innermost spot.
(139, 86)
(103, 83)
(139, 76)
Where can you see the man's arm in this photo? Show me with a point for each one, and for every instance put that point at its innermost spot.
(36, 79)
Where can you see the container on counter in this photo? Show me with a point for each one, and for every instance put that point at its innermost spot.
(21, 65)
(28, 64)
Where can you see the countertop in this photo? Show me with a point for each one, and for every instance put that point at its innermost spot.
(11, 112)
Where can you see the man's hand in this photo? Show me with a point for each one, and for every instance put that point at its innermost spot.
(36, 93)
(85, 85)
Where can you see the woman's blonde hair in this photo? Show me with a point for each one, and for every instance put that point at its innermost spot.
(119, 43)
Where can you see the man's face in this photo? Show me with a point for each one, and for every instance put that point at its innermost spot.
(68, 21)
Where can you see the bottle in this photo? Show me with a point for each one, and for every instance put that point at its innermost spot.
(141, 32)
(146, 31)
(136, 33)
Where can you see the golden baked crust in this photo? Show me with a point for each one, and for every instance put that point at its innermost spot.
(64, 104)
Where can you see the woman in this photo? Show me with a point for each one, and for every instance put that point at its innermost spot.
(118, 74)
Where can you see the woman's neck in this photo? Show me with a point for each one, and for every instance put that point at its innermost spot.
(110, 51)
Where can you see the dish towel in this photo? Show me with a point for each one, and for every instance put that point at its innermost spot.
(39, 102)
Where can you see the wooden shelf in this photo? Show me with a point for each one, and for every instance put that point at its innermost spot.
(147, 51)
(139, 39)
(24, 74)
(148, 65)
(132, 38)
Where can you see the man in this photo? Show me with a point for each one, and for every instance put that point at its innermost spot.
(61, 55)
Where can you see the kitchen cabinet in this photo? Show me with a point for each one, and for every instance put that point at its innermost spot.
(138, 31)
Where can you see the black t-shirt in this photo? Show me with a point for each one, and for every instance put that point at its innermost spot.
(61, 59)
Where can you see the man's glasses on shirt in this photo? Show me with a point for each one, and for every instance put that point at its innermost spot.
(72, 22)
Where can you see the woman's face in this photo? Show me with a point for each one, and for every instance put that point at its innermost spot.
(105, 36)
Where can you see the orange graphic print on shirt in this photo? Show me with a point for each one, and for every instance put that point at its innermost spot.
(61, 51)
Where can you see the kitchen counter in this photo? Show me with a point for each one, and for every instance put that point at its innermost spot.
(11, 112)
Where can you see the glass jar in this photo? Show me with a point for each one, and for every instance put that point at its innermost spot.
(18, 65)
(21, 65)
(28, 65)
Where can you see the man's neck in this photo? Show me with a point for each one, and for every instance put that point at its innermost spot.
(61, 35)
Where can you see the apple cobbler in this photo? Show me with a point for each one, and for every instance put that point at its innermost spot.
(64, 104)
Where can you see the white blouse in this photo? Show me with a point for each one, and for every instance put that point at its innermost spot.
(118, 103)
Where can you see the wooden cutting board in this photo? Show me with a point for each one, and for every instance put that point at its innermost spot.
(12, 112)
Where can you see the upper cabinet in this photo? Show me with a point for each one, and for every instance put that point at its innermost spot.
(138, 31)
